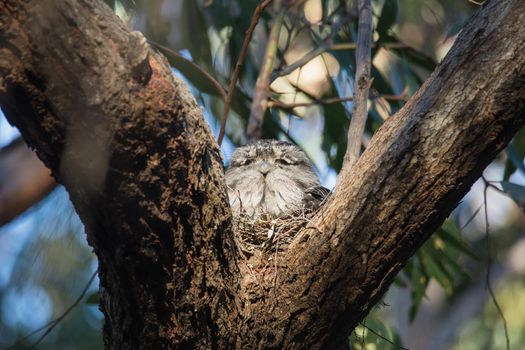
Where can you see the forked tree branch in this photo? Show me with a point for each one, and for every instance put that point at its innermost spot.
(131, 146)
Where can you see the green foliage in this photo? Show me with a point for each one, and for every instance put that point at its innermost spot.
(437, 259)
(93, 298)
(375, 334)
(516, 192)
(485, 332)
(515, 153)
(387, 19)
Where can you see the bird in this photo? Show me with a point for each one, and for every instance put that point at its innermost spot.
(272, 177)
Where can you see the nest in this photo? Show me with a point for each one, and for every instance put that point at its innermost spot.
(268, 234)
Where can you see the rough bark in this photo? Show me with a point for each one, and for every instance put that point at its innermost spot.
(415, 170)
(130, 145)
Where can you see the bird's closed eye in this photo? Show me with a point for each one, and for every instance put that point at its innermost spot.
(246, 161)
(284, 161)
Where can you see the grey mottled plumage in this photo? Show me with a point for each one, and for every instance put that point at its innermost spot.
(273, 177)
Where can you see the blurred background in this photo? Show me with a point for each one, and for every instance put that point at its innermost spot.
(439, 301)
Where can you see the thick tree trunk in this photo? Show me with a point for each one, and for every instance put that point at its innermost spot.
(129, 143)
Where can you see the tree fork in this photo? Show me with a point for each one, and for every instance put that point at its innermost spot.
(130, 145)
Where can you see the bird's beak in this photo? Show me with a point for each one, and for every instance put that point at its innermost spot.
(264, 168)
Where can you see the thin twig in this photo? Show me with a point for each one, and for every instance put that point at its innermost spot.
(262, 86)
(491, 185)
(362, 84)
(472, 217)
(235, 76)
(475, 2)
(382, 337)
(310, 55)
(489, 265)
(294, 99)
(327, 101)
(290, 35)
(52, 324)
(353, 46)
(208, 76)
(323, 46)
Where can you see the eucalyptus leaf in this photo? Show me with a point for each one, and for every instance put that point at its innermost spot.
(388, 17)
(516, 157)
(449, 233)
(93, 298)
(419, 280)
(436, 270)
(515, 191)
(515, 152)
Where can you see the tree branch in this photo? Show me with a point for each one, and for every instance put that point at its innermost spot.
(353, 46)
(324, 45)
(131, 146)
(361, 85)
(235, 76)
(418, 166)
(262, 85)
(327, 101)
(174, 54)
(24, 180)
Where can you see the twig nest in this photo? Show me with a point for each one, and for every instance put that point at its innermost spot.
(268, 234)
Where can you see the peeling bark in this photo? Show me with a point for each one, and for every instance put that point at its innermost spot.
(129, 143)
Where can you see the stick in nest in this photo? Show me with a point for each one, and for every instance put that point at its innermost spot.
(266, 233)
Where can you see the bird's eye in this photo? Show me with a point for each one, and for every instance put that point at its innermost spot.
(284, 161)
(246, 161)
